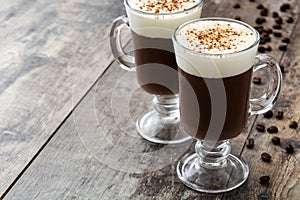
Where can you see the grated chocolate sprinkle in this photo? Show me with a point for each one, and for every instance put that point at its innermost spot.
(163, 6)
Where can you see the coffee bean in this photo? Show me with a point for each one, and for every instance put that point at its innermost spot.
(267, 39)
(264, 179)
(275, 14)
(266, 157)
(264, 12)
(252, 0)
(264, 34)
(272, 129)
(293, 125)
(236, 5)
(237, 18)
(285, 7)
(260, 20)
(262, 41)
(259, 29)
(282, 47)
(260, 6)
(277, 26)
(260, 127)
(268, 48)
(250, 143)
(277, 34)
(285, 40)
(290, 20)
(276, 140)
(279, 20)
(261, 49)
(268, 30)
(256, 80)
(268, 114)
(289, 149)
(279, 114)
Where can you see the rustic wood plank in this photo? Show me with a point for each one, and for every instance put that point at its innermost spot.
(91, 157)
(42, 46)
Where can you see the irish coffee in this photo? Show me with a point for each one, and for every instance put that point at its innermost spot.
(152, 23)
(214, 56)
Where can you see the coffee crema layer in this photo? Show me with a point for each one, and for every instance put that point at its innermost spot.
(215, 48)
(159, 18)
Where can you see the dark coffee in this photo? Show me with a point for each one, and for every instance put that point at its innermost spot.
(237, 101)
(156, 66)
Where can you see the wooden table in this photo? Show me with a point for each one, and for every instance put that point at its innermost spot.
(67, 110)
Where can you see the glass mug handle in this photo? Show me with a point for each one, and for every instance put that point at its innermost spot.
(265, 102)
(125, 60)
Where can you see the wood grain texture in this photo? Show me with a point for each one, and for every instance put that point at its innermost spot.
(98, 155)
(43, 44)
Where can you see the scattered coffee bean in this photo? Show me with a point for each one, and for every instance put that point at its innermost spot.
(272, 129)
(260, 127)
(285, 7)
(237, 18)
(262, 41)
(277, 34)
(275, 14)
(289, 149)
(268, 30)
(264, 179)
(268, 114)
(276, 140)
(285, 40)
(279, 20)
(266, 157)
(256, 80)
(282, 47)
(260, 20)
(261, 49)
(252, 0)
(260, 29)
(268, 48)
(277, 26)
(264, 34)
(250, 143)
(293, 125)
(279, 115)
(290, 20)
(267, 39)
(236, 5)
(264, 12)
(260, 6)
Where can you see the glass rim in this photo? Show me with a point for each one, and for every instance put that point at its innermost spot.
(222, 19)
(163, 14)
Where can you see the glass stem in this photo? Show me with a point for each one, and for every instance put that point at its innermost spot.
(213, 154)
(166, 106)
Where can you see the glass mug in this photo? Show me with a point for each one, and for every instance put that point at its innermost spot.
(154, 61)
(216, 58)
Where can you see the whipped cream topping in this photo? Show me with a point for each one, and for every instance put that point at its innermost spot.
(159, 18)
(215, 48)
(215, 37)
(162, 6)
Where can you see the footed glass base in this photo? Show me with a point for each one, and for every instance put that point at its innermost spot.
(160, 129)
(232, 173)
